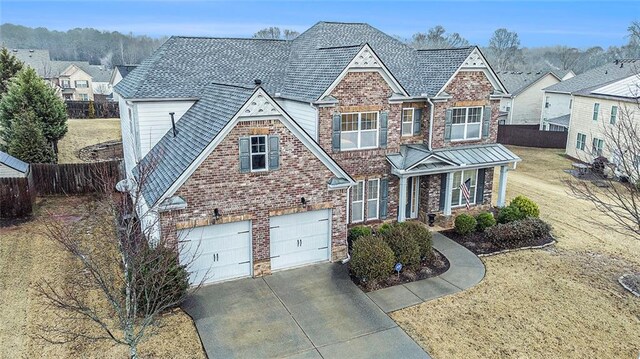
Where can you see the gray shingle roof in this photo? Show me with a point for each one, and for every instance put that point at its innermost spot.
(13, 162)
(125, 69)
(516, 82)
(598, 76)
(171, 156)
(300, 69)
(463, 156)
(560, 120)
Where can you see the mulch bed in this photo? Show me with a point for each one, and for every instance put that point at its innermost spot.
(479, 244)
(431, 267)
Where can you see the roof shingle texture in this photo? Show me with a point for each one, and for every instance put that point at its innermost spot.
(601, 75)
(516, 82)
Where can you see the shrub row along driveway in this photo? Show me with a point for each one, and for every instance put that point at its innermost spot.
(310, 312)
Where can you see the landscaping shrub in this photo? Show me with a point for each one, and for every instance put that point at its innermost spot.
(384, 228)
(512, 233)
(465, 224)
(527, 207)
(421, 235)
(484, 221)
(357, 232)
(372, 259)
(509, 214)
(404, 246)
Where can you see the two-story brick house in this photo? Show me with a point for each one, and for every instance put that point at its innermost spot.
(280, 145)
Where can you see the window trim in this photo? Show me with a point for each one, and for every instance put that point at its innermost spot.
(377, 199)
(359, 131)
(581, 139)
(265, 154)
(596, 109)
(614, 115)
(361, 202)
(598, 148)
(84, 82)
(472, 192)
(82, 97)
(403, 122)
(466, 123)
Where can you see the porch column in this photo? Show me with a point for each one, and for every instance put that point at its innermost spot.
(402, 199)
(447, 194)
(502, 186)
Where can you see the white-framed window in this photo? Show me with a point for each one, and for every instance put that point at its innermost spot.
(407, 121)
(596, 146)
(359, 131)
(614, 115)
(373, 198)
(460, 177)
(82, 84)
(258, 153)
(596, 109)
(581, 141)
(84, 97)
(466, 123)
(65, 84)
(357, 202)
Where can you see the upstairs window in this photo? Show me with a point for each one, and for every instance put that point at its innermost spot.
(359, 130)
(614, 115)
(82, 84)
(596, 147)
(65, 84)
(258, 153)
(84, 97)
(596, 109)
(466, 123)
(407, 121)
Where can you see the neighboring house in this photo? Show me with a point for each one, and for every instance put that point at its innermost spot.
(557, 99)
(75, 80)
(280, 145)
(595, 110)
(525, 88)
(119, 72)
(12, 167)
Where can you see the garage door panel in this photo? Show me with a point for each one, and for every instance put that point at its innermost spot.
(299, 239)
(221, 251)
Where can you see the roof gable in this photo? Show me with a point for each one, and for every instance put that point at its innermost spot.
(475, 61)
(598, 76)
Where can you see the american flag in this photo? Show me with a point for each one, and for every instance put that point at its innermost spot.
(464, 188)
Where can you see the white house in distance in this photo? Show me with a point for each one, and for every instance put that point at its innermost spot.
(523, 108)
(119, 72)
(557, 99)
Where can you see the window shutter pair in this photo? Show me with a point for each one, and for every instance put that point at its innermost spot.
(384, 196)
(417, 121)
(486, 121)
(245, 153)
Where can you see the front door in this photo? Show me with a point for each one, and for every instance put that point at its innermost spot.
(413, 193)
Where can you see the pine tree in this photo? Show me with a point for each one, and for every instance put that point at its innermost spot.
(28, 92)
(92, 109)
(9, 67)
(28, 142)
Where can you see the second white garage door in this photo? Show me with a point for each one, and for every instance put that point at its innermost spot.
(222, 251)
(300, 238)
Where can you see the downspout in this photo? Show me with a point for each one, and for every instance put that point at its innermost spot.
(346, 260)
(430, 122)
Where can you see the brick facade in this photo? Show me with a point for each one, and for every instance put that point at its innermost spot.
(218, 183)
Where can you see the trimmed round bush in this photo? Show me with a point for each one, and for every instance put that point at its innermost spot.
(357, 232)
(371, 259)
(509, 214)
(512, 233)
(404, 246)
(465, 224)
(384, 228)
(421, 235)
(485, 220)
(527, 207)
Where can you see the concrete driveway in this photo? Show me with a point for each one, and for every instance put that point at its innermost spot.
(310, 312)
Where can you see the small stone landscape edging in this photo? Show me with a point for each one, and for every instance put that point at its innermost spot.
(623, 284)
(517, 249)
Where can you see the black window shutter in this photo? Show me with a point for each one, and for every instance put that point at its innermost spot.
(335, 137)
(486, 121)
(443, 190)
(480, 187)
(448, 120)
(245, 165)
(384, 196)
(274, 152)
(384, 122)
(417, 121)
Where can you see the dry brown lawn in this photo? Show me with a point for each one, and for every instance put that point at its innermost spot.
(26, 257)
(83, 133)
(562, 302)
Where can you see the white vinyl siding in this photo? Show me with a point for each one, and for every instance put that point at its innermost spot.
(6, 171)
(466, 123)
(357, 202)
(525, 108)
(457, 199)
(373, 198)
(154, 121)
(359, 131)
(304, 114)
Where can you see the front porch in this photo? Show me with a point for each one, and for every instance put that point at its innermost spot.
(431, 181)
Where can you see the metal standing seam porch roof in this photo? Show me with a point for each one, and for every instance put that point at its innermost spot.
(418, 160)
(13, 162)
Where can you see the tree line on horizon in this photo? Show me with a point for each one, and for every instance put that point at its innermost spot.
(504, 51)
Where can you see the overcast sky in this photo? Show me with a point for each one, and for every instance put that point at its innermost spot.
(574, 23)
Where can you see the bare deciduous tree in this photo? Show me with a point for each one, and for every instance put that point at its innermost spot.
(435, 38)
(274, 32)
(120, 284)
(505, 47)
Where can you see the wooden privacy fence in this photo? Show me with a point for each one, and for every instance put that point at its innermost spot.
(80, 109)
(17, 197)
(76, 178)
(531, 136)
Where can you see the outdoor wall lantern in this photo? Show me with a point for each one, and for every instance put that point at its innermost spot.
(303, 201)
(216, 213)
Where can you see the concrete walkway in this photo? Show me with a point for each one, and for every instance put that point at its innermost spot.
(466, 271)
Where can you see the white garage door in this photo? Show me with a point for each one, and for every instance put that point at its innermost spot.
(223, 251)
(299, 239)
